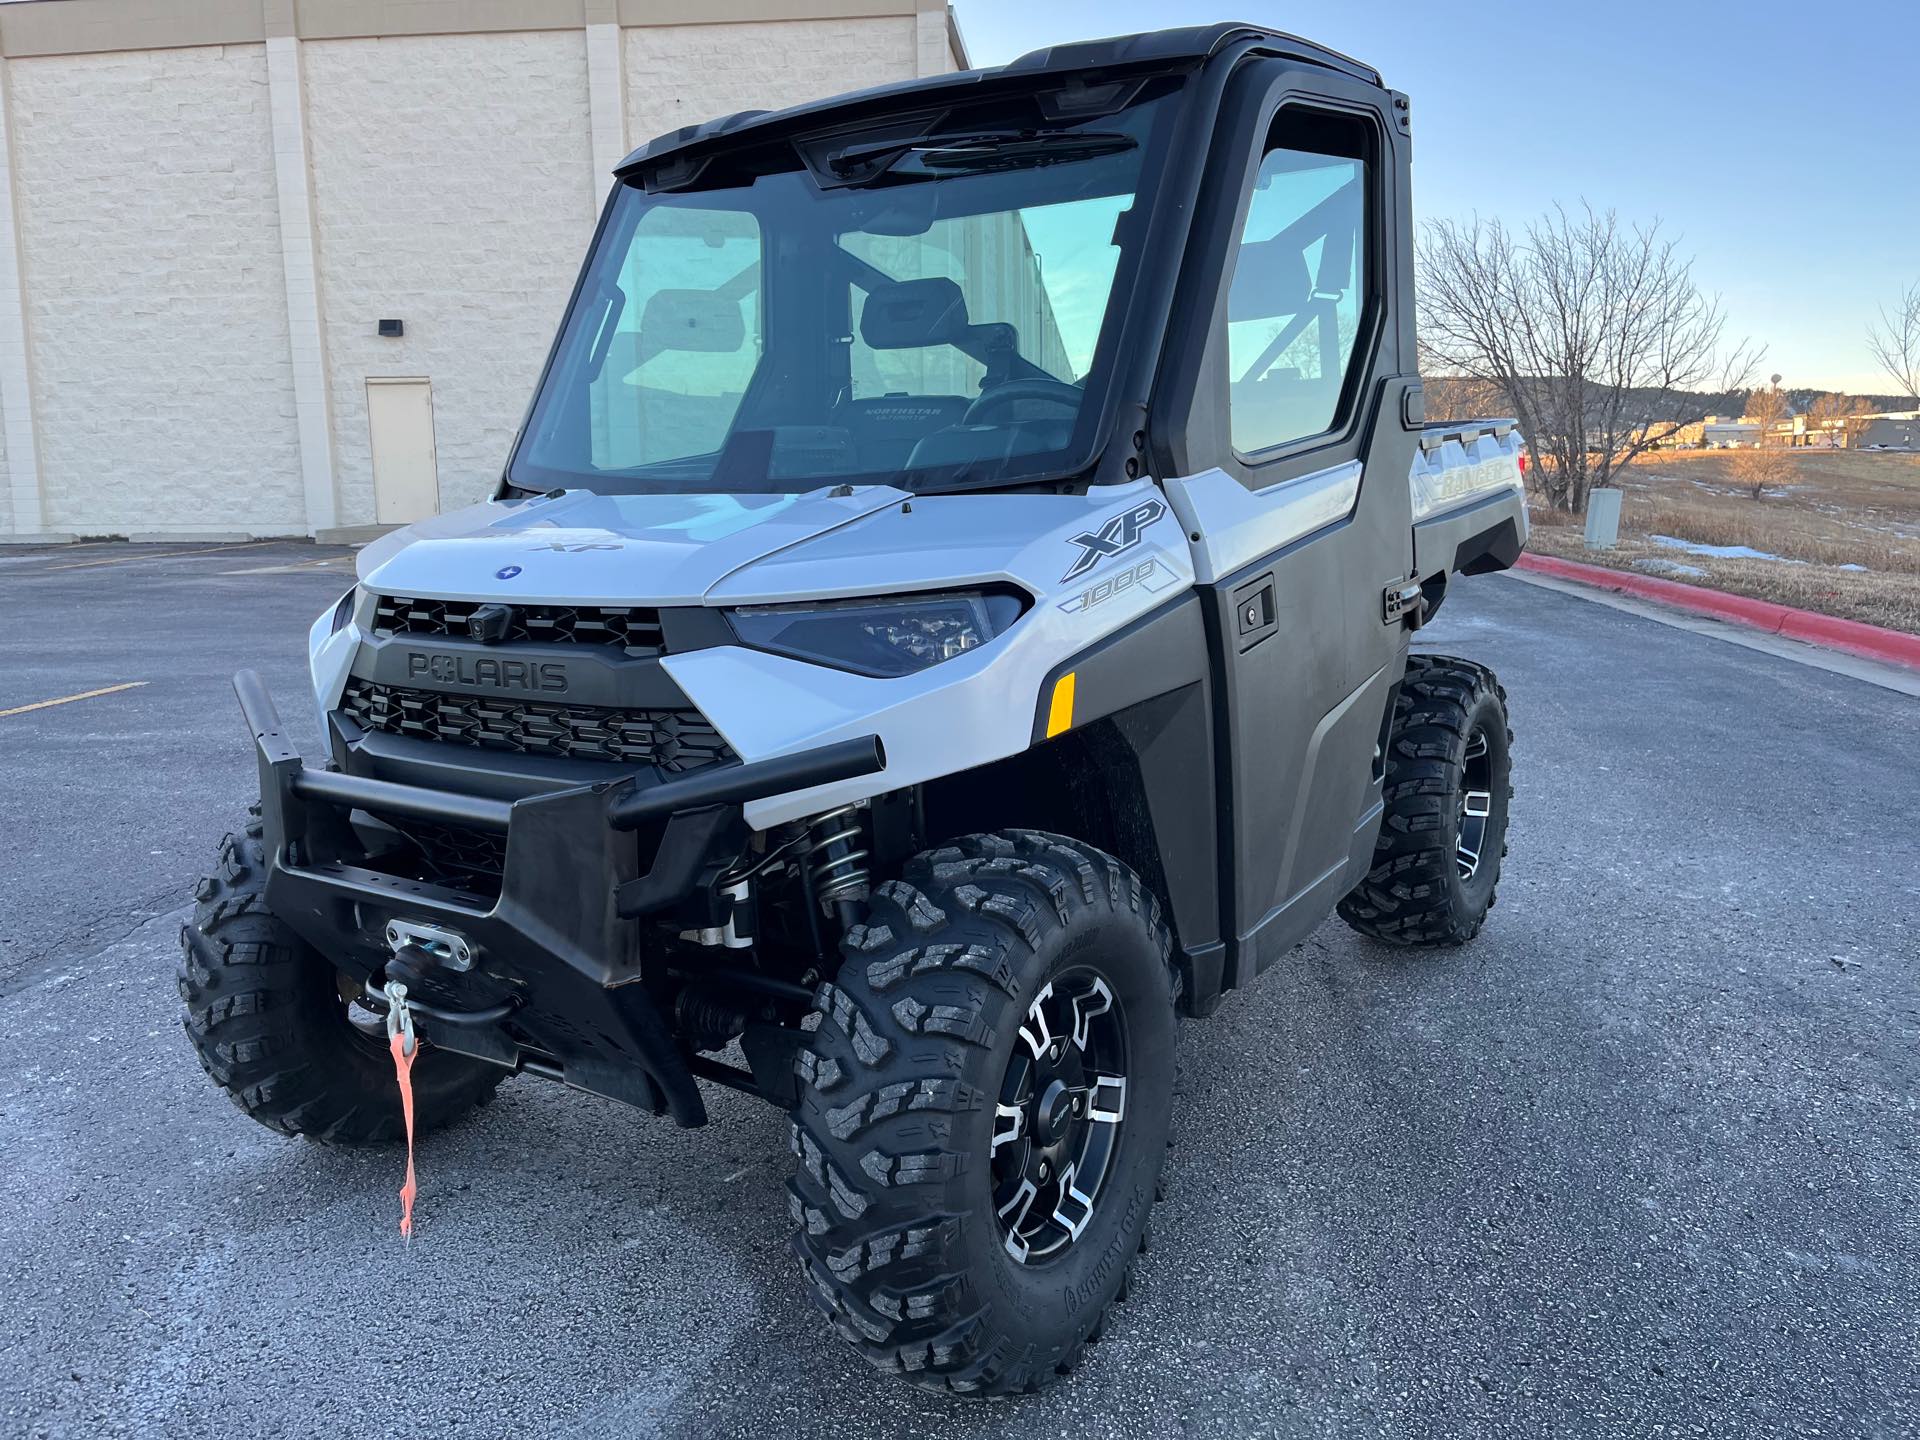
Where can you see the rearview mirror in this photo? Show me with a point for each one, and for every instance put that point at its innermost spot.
(702, 321)
(1270, 279)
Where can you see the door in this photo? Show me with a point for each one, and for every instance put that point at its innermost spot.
(406, 479)
(1295, 491)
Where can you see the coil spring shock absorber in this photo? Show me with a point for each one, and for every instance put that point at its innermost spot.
(836, 863)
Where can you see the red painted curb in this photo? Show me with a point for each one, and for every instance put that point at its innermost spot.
(1852, 636)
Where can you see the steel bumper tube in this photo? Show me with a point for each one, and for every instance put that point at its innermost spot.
(558, 947)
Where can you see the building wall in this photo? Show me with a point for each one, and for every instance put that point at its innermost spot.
(683, 74)
(6, 476)
(446, 177)
(453, 190)
(1891, 431)
(147, 222)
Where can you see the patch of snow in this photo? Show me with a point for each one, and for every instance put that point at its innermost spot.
(1720, 552)
(1861, 568)
(1667, 567)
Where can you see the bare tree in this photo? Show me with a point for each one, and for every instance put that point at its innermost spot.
(1895, 341)
(1767, 407)
(1828, 413)
(1594, 333)
(1454, 397)
(1764, 465)
(1830, 406)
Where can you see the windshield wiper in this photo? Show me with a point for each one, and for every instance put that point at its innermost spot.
(1026, 151)
(986, 151)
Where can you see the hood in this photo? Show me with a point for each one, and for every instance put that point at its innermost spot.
(576, 547)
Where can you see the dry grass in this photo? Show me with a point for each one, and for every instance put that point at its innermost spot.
(1839, 507)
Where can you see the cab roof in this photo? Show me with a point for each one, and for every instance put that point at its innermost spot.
(1154, 47)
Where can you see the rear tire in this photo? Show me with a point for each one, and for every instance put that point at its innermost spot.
(267, 1018)
(1436, 864)
(901, 1131)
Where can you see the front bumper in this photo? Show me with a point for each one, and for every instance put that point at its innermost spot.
(556, 984)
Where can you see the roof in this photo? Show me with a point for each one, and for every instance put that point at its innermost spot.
(1193, 42)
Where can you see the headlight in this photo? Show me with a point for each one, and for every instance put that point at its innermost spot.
(886, 638)
(343, 611)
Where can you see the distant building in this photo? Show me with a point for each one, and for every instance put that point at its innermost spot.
(1719, 432)
(1671, 435)
(1894, 430)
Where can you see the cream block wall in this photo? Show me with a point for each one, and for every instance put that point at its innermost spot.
(453, 190)
(155, 295)
(449, 180)
(682, 74)
(6, 476)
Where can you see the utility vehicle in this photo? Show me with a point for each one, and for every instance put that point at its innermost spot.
(945, 616)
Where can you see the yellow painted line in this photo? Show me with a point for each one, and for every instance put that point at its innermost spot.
(338, 562)
(69, 699)
(163, 555)
(1060, 711)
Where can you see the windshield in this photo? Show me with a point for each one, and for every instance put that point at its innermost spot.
(930, 313)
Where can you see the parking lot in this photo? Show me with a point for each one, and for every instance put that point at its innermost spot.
(1643, 1159)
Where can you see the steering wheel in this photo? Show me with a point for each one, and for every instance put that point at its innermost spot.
(1055, 392)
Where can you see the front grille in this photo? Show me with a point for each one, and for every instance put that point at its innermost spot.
(674, 740)
(634, 628)
(468, 857)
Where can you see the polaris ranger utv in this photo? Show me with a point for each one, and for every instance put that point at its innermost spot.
(945, 615)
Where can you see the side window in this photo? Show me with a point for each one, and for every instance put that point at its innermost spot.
(686, 341)
(1299, 288)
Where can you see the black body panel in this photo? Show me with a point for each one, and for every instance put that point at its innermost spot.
(592, 675)
(1152, 682)
(1158, 49)
(1472, 540)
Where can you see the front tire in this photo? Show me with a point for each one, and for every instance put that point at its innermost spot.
(1448, 786)
(272, 1027)
(943, 1242)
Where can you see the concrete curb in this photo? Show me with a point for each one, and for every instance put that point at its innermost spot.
(1850, 635)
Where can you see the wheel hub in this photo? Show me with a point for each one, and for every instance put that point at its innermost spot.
(1476, 804)
(1055, 1112)
(1058, 1119)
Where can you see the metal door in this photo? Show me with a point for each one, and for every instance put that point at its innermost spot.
(406, 477)
(1296, 541)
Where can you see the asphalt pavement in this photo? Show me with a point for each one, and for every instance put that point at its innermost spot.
(1643, 1159)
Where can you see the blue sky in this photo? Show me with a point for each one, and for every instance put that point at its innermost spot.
(1780, 141)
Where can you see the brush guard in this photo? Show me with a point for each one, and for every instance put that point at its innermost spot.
(554, 985)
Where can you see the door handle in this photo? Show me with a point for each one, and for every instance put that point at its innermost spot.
(1253, 612)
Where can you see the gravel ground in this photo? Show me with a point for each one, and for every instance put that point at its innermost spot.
(1640, 1160)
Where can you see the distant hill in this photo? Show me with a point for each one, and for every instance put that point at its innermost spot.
(1451, 398)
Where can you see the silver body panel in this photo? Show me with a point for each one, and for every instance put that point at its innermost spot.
(721, 550)
(1460, 465)
(1233, 526)
(716, 550)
